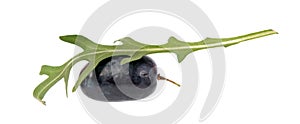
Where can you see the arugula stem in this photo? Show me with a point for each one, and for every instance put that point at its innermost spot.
(219, 42)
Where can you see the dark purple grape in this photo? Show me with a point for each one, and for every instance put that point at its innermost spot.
(111, 81)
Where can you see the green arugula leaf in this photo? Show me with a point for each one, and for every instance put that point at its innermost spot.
(95, 53)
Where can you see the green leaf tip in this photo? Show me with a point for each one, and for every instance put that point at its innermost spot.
(74, 89)
(95, 53)
(80, 41)
(68, 38)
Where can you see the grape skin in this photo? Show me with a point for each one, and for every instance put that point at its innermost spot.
(113, 82)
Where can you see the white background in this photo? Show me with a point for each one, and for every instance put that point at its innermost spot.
(262, 83)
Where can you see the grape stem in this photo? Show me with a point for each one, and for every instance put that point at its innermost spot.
(159, 77)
